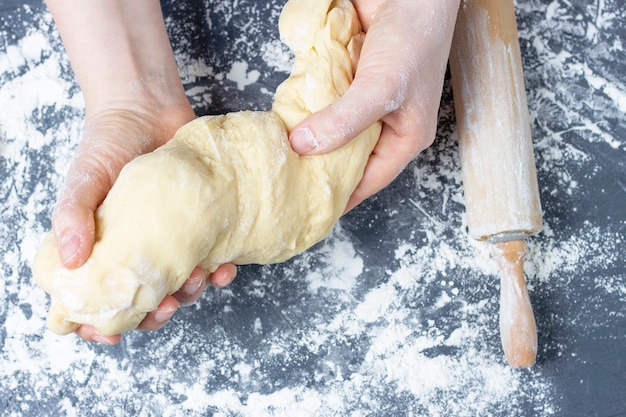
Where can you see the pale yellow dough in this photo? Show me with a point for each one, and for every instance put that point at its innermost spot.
(224, 189)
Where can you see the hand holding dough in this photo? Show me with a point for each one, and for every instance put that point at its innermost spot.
(225, 189)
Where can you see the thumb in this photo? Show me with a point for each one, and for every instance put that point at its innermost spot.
(74, 228)
(73, 217)
(337, 124)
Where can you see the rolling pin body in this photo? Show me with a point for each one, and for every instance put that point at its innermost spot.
(497, 161)
(499, 178)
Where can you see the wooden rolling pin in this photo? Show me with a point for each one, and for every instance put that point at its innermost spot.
(498, 165)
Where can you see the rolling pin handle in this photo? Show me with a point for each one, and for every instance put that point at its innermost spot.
(518, 330)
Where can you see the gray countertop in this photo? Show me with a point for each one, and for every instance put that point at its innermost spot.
(396, 312)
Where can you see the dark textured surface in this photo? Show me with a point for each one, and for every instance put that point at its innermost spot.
(395, 313)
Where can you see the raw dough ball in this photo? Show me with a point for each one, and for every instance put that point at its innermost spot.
(225, 189)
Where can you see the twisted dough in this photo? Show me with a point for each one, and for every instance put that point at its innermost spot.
(225, 189)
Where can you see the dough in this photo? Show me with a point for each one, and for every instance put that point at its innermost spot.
(225, 189)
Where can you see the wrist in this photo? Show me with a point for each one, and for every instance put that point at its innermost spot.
(119, 50)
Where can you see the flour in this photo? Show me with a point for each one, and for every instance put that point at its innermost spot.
(364, 324)
(241, 76)
(342, 270)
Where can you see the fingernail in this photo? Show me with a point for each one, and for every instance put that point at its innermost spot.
(302, 140)
(192, 286)
(102, 340)
(161, 316)
(69, 247)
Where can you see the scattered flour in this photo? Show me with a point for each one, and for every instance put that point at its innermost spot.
(239, 74)
(331, 332)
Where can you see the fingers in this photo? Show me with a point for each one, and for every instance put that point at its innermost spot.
(223, 275)
(153, 321)
(94, 168)
(366, 10)
(91, 335)
(159, 318)
(73, 218)
(384, 84)
(74, 227)
(192, 288)
(189, 293)
(335, 125)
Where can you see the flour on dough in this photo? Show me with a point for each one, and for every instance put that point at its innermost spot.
(225, 189)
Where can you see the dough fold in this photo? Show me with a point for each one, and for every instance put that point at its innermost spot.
(226, 188)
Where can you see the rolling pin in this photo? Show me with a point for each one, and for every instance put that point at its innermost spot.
(497, 162)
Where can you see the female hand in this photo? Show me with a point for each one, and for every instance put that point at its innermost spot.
(112, 138)
(135, 102)
(398, 80)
